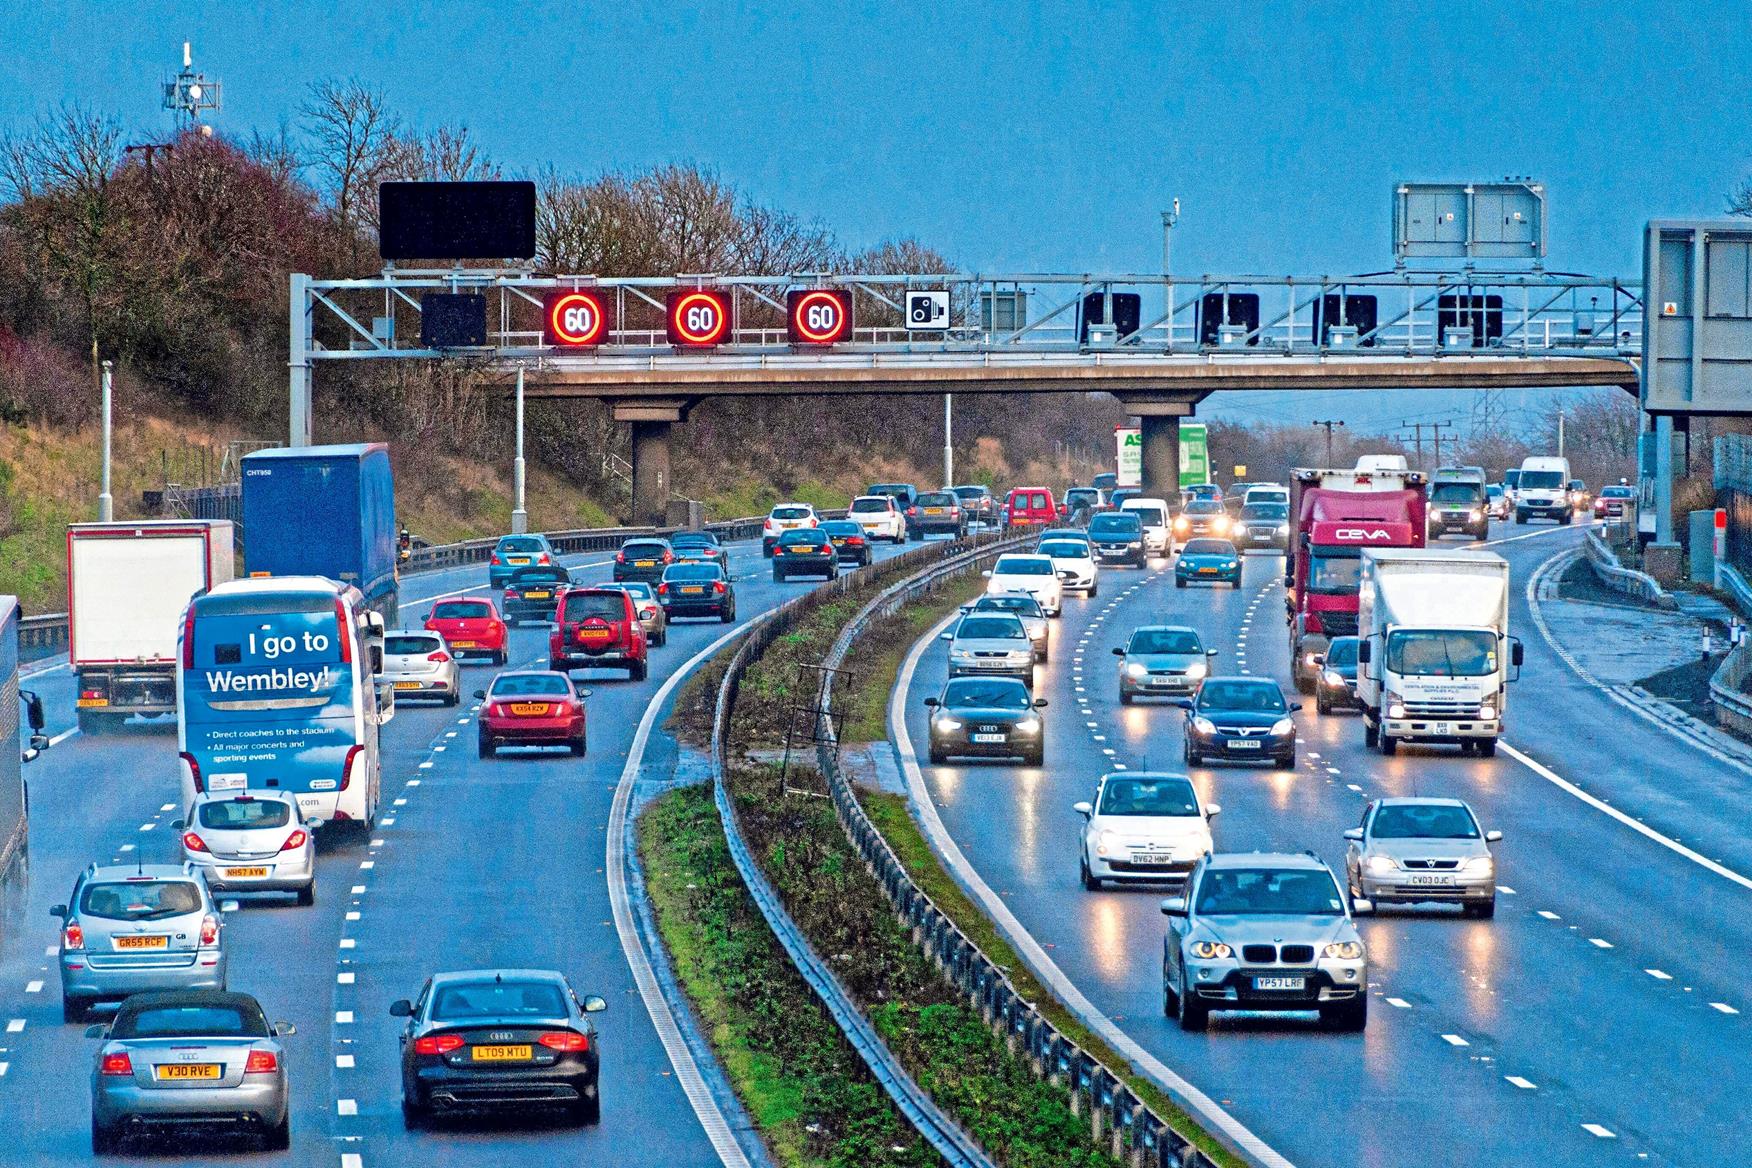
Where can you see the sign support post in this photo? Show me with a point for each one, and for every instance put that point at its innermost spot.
(519, 515)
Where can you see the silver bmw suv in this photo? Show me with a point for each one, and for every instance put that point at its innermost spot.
(1264, 931)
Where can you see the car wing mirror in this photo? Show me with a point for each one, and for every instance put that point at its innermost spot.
(284, 1030)
(1493, 837)
(401, 1008)
(480, 695)
(931, 703)
(1354, 833)
(97, 1030)
(57, 910)
(593, 1004)
(33, 709)
(1174, 906)
(1084, 809)
(1517, 653)
(1040, 703)
(1184, 703)
(1119, 652)
(1294, 706)
(946, 637)
(1210, 652)
(1365, 652)
(1212, 810)
(987, 574)
(432, 615)
(1362, 907)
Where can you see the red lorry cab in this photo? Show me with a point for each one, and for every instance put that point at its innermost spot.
(1027, 506)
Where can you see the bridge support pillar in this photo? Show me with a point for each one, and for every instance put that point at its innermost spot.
(652, 482)
(1161, 457)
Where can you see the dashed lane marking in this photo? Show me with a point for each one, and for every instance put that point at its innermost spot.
(14, 1025)
(1549, 915)
(343, 1017)
(345, 978)
(33, 987)
(1505, 890)
(1659, 975)
(1455, 1040)
(1399, 1003)
(1518, 1081)
(349, 942)
(1595, 1129)
(346, 1107)
(344, 1061)
(1723, 1007)
(1599, 943)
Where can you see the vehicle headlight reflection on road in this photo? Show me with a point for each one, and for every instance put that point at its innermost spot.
(1210, 950)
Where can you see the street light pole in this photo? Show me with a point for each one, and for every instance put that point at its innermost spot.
(948, 440)
(106, 505)
(519, 516)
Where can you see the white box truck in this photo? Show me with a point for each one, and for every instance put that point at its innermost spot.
(127, 587)
(1435, 656)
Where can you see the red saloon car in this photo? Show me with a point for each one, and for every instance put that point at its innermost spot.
(534, 708)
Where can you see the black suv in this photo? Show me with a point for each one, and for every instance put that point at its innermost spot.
(1118, 538)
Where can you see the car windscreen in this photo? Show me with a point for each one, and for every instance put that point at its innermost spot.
(1022, 566)
(1542, 480)
(1334, 572)
(1342, 651)
(1203, 506)
(1494, 491)
(694, 573)
(1084, 496)
(1423, 821)
(611, 606)
(461, 610)
(244, 814)
(540, 576)
(139, 900)
(517, 685)
(498, 999)
(1021, 604)
(1619, 492)
(1260, 891)
(1164, 641)
(1438, 653)
(1120, 523)
(986, 692)
(410, 646)
(791, 513)
(1065, 549)
(1454, 493)
(1148, 797)
(990, 628)
(520, 543)
(1241, 695)
(203, 1020)
(872, 506)
(1266, 512)
(1208, 547)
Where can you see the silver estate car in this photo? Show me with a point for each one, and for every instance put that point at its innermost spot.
(1264, 931)
(990, 644)
(1162, 661)
(189, 1058)
(128, 929)
(418, 664)
(1024, 608)
(1419, 850)
(251, 841)
(652, 618)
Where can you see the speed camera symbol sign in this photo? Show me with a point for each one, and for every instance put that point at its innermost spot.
(927, 311)
(575, 318)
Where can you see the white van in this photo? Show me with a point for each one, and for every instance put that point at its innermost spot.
(1266, 493)
(1153, 514)
(1543, 490)
(1378, 463)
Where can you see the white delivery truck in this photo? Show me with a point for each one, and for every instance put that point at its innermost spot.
(1435, 656)
(127, 587)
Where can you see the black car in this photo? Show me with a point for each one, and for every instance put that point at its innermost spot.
(643, 559)
(847, 537)
(1335, 686)
(937, 513)
(531, 593)
(1262, 525)
(977, 504)
(1118, 538)
(1116, 498)
(700, 547)
(805, 552)
(1242, 718)
(485, 1040)
(987, 717)
(697, 590)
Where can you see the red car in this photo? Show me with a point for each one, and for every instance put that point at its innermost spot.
(531, 709)
(470, 628)
(598, 628)
(1027, 506)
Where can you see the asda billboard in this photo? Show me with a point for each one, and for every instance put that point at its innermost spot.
(1195, 457)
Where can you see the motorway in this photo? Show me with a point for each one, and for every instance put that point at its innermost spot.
(1601, 1018)
(389, 910)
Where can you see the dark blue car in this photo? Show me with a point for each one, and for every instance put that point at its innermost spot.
(1208, 561)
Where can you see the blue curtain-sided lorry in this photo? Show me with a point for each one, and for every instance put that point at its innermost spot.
(323, 511)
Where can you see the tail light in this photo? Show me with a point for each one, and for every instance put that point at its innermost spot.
(647, 613)
(855, 540)
(441, 657)
(261, 1062)
(437, 1044)
(73, 936)
(209, 930)
(778, 549)
(193, 842)
(347, 765)
(188, 646)
(954, 510)
(494, 559)
(543, 559)
(194, 770)
(295, 840)
(511, 594)
(669, 557)
(620, 557)
(116, 1064)
(343, 632)
(567, 1040)
(663, 589)
(912, 510)
(718, 587)
(813, 522)
(88, 694)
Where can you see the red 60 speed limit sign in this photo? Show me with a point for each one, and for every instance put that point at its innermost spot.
(818, 316)
(698, 317)
(574, 318)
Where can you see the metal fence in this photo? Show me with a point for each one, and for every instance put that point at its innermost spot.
(1733, 485)
(1619, 578)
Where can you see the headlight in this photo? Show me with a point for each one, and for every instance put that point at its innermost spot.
(1283, 529)
(1210, 950)
(1028, 725)
(1381, 866)
(948, 724)
(1220, 523)
(1106, 842)
(1181, 524)
(1344, 950)
(1135, 544)
(1229, 564)
(1135, 669)
(1021, 655)
(1204, 726)
(1396, 711)
(1480, 864)
(1332, 677)
(1487, 712)
(1197, 670)
(961, 655)
(1282, 726)
(1475, 515)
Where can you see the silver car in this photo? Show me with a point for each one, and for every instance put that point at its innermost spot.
(652, 618)
(129, 928)
(1264, 931)
(1162, 661)
(251, 841)
(1024, 608)
(418, 663)
(1418, 850)
(189, 1058)
(990, 644)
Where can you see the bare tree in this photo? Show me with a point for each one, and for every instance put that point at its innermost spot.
(277, 152)
(353, 135)
(447, 154)
(1740, 199)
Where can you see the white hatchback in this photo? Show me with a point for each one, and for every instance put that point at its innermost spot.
(1033, 574)
(1074, 560)
(251, 841)
(782, 518)
(417, 663)
(880, 517)
(1143, 828)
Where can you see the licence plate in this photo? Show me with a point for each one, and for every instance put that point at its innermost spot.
(1442, 728)
(594, 634)
(1280, 983)
(693, 590)
(501, 1054)
(517, 559)
(463, 645)
(1207, 571)
(157, 942)
(83, 702)
(1243, 744)
(1158, 681)
(988, 738)
(1443, 881)
(407, 685)
(1146, 858)
(800, 550)
(644, 563)
(538, 596)
(529, 709)
(239, 873)
(184, 1071)
(1261, 537)
(839, 540)
(933, 510)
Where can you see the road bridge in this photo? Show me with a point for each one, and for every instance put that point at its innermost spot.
(653, 347)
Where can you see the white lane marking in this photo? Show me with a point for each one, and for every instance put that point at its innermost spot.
(1634, 824)
(358, 890)
(343, 1017)
(1354, 787)
(168, 807)
(427, 765)
(349, 942)
(1595, 1129)
(346, 1107)
(1599, 943)
(1518, 1081)
(147, 826)
(1455, 1040)
(43, 671)
(51, 951)
(352, 1160)
(367, 865)
(345, 978)
(34, 986)
(63, 736)
(15, 1025)
(4, 1067)
(352, 916)
(1723, 1007)
(1399, 1003)
(403, 801)
(1549, 915)
(1659, 975)
(377, 843)
(343, 1061)
(1206, 1109)
(126, 848)
(1505, 890)
(687, 1071)
(413, 782)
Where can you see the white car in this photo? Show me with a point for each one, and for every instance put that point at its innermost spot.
(1144, 828)
(1153, 514)
(251, 841)
(1074, 560)
(418, 663)
(880, 517)
(1266, 494)
(1033, 574)
(782, 518)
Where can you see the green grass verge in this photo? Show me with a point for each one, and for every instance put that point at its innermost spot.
(879, 652)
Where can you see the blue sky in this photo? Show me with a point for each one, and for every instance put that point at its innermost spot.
(1015, 135)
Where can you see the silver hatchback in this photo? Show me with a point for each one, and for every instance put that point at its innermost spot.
(192, 1058)
(1420, 850)
(418, 663)
(987, 644)
(251, 841)
(131, 929)
(1024, 608)
(652, 618)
